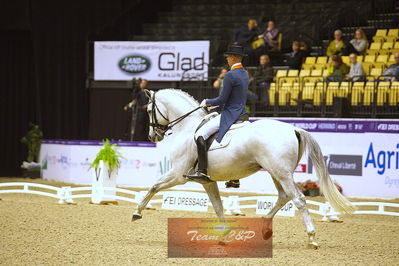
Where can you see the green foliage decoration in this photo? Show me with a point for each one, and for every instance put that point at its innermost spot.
(33, 140)
(109, 155)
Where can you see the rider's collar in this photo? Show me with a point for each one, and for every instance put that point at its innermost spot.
(236, 65)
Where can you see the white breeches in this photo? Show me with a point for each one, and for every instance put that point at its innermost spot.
(209, 128)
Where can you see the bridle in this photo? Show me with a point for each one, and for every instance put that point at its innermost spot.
(156, 125)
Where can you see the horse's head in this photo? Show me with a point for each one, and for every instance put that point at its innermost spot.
(158, 120)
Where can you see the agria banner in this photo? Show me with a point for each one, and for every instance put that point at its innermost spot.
(162, 61)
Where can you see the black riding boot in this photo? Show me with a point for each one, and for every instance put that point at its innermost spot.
(201, 175)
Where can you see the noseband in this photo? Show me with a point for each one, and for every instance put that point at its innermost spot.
(156, 125)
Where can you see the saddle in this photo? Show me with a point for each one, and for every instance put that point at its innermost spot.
(241, 121)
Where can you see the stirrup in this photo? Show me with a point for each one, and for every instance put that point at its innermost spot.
(199, 177)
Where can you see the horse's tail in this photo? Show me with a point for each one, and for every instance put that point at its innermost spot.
(328, 188)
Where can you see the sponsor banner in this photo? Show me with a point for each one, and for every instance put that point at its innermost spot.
(188, 201)
(265, 204)
(364, 164)
(219, 238)
(162, 61)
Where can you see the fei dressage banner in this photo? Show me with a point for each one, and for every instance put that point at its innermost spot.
(161, 61)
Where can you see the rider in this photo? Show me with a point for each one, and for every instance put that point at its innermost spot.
(232, 101)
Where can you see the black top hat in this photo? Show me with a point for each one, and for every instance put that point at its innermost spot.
(235, 49)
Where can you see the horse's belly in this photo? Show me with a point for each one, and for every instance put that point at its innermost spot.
(225, 169)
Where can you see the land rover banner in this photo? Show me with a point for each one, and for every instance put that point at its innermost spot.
(163, 61)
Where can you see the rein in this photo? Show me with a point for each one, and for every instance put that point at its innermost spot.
(171, 123)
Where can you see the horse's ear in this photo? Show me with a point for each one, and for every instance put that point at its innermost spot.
(148, 93)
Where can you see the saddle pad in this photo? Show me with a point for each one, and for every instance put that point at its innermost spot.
(227, 137)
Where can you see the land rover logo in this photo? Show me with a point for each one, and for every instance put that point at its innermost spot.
(134, 64)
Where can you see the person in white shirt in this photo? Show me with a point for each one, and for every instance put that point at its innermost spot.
(360, 42)
(356, 72)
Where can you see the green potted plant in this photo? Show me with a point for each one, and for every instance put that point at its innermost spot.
(32, 140)
(105, 165)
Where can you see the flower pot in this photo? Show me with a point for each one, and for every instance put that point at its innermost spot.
(31, 173)
(314, 192)
(101, 179)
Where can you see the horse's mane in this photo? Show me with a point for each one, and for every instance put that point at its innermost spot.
(187, 97)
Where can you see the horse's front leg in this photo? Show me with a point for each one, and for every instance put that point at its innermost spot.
(212, 190)
(171, 179)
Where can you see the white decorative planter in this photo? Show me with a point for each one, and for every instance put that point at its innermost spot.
(103, 178)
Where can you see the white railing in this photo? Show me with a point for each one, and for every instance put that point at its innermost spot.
(230, 203)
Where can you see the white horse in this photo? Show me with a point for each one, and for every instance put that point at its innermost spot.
(274, 146)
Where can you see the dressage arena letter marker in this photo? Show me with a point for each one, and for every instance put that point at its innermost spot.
(188, 201)
(266, 203)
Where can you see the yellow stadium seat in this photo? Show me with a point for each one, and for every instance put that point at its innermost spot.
(281, 73)
(310, 60)
(375, 72)
(396, 46)
(369, 59)
(325, 72)
(381, 32)
(368, 95)
(293, 73)
(382, 58)
(379, 65)
(375, 47)
(344, 89)
(393, 94)
(304, 73)
(272, 92)
(283, 94)
(387, 45)
(384, 52)
(318, 94)
(360, 58)
(393, 32)
(345, 59)
(391, 38)
(313, 79)
(289, 79)
(357, 93)
(322, 60)
(332, 91)
(320, 66)
(294, 94)
(317, 72)
(308, 90)
(382, 92)
(391, 59)
(380, 35)
(307, 66)
(367, 67)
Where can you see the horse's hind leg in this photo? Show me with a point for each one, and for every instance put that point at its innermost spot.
(298, 198)
(169, 181)
(281, 201)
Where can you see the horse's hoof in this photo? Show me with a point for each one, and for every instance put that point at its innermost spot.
(313, 245)
(136, 217)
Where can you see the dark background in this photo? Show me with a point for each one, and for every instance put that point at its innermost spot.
(43, 71)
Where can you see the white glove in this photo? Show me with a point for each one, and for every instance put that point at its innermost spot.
(203, 103)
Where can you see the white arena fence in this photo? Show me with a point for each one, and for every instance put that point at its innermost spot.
(231, 204)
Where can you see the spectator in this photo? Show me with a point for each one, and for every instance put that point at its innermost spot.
(270, 35)
(295, 58)
(337, 70)
(393, 70)
(244, 36)
(337, 45)
(140, 101)
(247, 33)
(262, 78)
(304, 47)
(360, 42)
(218, 83)
(356, 72)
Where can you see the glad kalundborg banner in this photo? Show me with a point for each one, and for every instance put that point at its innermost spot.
(167, 61)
